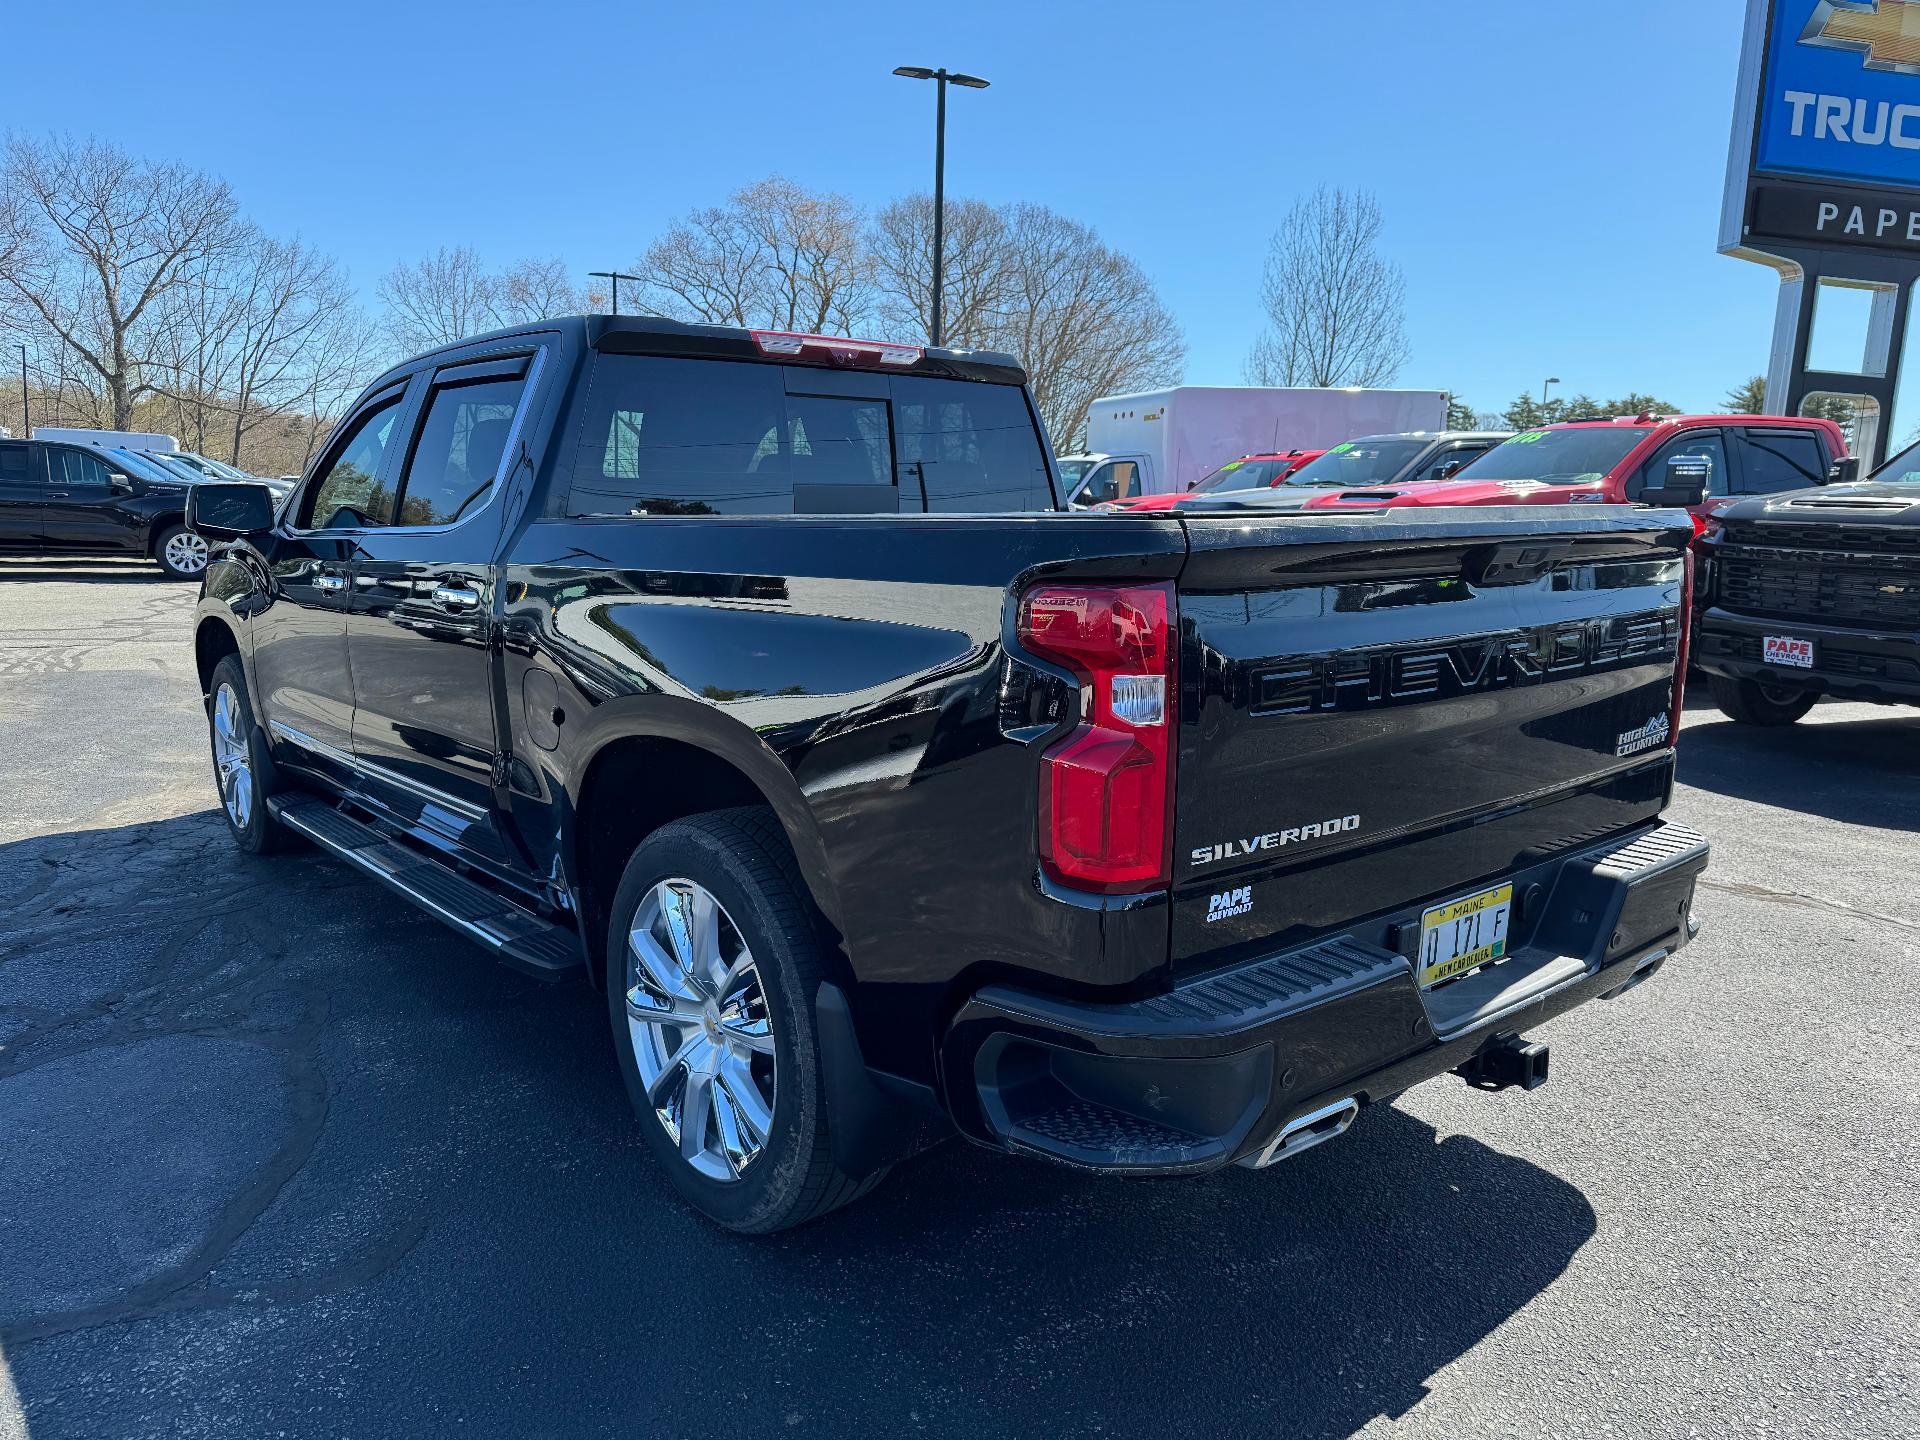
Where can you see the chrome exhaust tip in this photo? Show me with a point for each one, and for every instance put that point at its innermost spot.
(1327, 1123)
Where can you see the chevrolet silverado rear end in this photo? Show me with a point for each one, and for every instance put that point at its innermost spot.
(1376, 795)
(756, 678)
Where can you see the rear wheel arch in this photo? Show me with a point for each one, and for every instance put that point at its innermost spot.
(637, 780)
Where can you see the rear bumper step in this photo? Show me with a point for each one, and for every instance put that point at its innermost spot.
(1258, 1062)
(514, 934)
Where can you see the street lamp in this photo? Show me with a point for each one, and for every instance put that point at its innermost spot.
(616, 277)
(26, 420)
(1551, 380)
(944, 78)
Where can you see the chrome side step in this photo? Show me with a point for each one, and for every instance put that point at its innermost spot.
(515, 935)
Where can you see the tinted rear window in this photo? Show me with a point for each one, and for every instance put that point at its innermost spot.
(668, 436)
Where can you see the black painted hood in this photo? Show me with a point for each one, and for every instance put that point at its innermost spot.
(1863, 502)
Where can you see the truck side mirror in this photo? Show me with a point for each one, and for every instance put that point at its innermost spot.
(227, 512)
(119, 483)
(1686, 484)
(1844, 472)
(1450, 469)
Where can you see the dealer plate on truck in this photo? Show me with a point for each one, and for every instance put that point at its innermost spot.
(1463, 935)
(1789, 650)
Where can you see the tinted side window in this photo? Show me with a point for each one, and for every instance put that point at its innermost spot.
(1709, 443)
(13, 465)
(973, 445)
(1778, 460)
(1101, 486)
(75, 470)
(1458, 457)
(462, 441)
(349, 495)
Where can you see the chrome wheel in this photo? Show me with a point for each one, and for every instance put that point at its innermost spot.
(232, 761)
(701, 1028)
(185, 552)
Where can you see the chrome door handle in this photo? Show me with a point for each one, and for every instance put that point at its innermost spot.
(329, 584)
(456, 597)
(58, 495)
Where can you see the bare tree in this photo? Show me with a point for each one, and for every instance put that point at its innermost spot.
(1335, 308)
(975, 270)
(93, 239)
(532, 290)
(451, 294)
(1083, 318)
(235, 337)
(343, 355)
(775, 255)
(436, 301)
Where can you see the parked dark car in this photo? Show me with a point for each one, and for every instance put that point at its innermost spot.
(752, 677)
(1816, 592)
(79, 500)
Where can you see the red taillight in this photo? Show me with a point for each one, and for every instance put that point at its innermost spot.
(840, 352)
(1107, 789)
(1686, 648)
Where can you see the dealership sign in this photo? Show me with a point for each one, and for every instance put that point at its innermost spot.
(1827, 138)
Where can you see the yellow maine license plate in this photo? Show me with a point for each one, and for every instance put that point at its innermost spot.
(1463, 935)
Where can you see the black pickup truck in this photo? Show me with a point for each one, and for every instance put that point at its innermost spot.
(1815, 592)
(749, 675)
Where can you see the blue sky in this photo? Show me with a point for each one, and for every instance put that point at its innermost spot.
(1551, 173)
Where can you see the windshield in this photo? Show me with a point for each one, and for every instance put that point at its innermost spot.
(1242, 475)
(208, 466)
(1072, 472)
(1370, 461)
(1903, 469)
(1560, 457)
(175, 468)
(143, 466)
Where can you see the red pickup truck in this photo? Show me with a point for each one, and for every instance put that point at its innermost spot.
(1598, 462)
(1249, 472)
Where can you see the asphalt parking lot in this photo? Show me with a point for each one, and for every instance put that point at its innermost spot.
(279, 1155)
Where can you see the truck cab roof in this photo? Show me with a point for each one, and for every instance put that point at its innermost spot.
(657, 335)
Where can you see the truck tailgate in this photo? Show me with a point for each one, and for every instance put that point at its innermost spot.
(1382, 711)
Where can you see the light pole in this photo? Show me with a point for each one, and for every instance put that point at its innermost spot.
(942, 78)
(1551, 380)
(616, 277)
(26, 420)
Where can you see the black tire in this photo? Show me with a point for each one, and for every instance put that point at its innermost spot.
(176, 567)
(741, 858)
(256, 832)
(1752, 703)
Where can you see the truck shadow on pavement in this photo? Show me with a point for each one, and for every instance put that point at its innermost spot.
(285, 1155)
(1860, 772)
(81, 571)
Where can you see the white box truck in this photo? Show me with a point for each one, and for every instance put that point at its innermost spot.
(108, 439)
(1160, 442)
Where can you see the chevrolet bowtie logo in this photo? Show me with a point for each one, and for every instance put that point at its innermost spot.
(1886, 33)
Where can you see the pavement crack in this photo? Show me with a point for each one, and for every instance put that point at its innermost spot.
(1806, 902)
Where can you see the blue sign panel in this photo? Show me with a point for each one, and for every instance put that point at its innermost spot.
(1841, 92)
